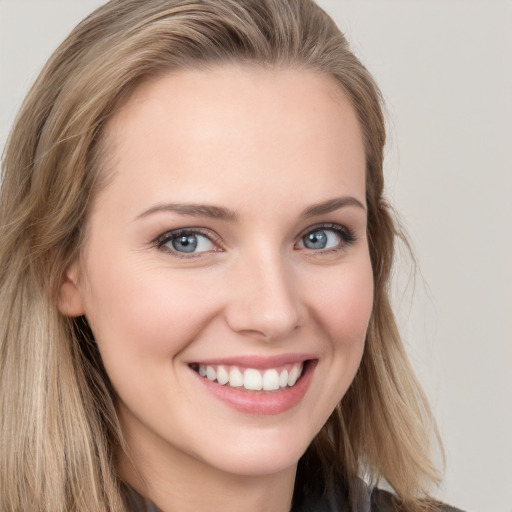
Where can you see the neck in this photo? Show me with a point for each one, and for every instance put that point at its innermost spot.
(176, 481)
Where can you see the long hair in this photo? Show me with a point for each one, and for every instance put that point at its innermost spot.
(58, 427)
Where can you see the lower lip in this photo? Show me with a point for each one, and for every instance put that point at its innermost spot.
(262, 403)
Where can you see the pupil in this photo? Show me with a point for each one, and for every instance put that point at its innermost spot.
(185, 243)
(316, 240)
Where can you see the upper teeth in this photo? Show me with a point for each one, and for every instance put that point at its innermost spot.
(252, 379)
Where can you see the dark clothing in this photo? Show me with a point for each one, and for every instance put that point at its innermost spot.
(369, 501)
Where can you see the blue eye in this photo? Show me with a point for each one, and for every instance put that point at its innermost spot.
(323, 238)
(186, 242)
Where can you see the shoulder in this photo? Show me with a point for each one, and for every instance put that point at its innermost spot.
(383, 501)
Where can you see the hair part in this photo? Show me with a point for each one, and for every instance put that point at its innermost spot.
(58, 424)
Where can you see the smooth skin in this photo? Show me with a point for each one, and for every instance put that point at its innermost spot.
(265, 148)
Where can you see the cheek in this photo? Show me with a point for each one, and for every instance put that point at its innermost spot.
(343, 306)
(142, 314)
(346, 305)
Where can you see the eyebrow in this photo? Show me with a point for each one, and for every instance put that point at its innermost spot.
(331, 205)
(221, 213)
(193, 209)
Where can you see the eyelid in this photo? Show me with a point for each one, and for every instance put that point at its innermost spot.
(347, 234)
(166, 237)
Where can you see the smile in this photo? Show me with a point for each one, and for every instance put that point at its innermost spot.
(257, 386)
(252, 379)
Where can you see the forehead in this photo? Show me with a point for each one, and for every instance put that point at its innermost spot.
(243, 126)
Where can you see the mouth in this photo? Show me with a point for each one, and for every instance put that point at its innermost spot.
(252, 379)
(257, 387)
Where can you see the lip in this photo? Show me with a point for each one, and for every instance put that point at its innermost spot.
(261, 403)
(258, 362)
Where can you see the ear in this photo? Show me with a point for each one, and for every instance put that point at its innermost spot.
(70, 302)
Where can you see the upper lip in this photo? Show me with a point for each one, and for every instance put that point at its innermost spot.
(257, 361)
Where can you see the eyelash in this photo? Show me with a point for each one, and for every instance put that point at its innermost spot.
(346, 235)
(174, 234)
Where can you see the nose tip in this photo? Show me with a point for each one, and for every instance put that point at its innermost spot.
(267, 305)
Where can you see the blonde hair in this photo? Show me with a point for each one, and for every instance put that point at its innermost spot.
(59, 430)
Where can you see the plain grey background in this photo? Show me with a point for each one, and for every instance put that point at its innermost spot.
(445, 69)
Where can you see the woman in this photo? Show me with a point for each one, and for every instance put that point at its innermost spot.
(195, 264)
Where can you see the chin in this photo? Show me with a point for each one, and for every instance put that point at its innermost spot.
(266, 454)
(260, 464)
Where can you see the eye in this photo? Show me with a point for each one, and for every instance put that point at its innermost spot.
(326, 237)
(186, 242)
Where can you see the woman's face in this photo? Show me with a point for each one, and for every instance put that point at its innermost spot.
(228, 253)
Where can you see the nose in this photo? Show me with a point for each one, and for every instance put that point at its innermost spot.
(265, 302)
